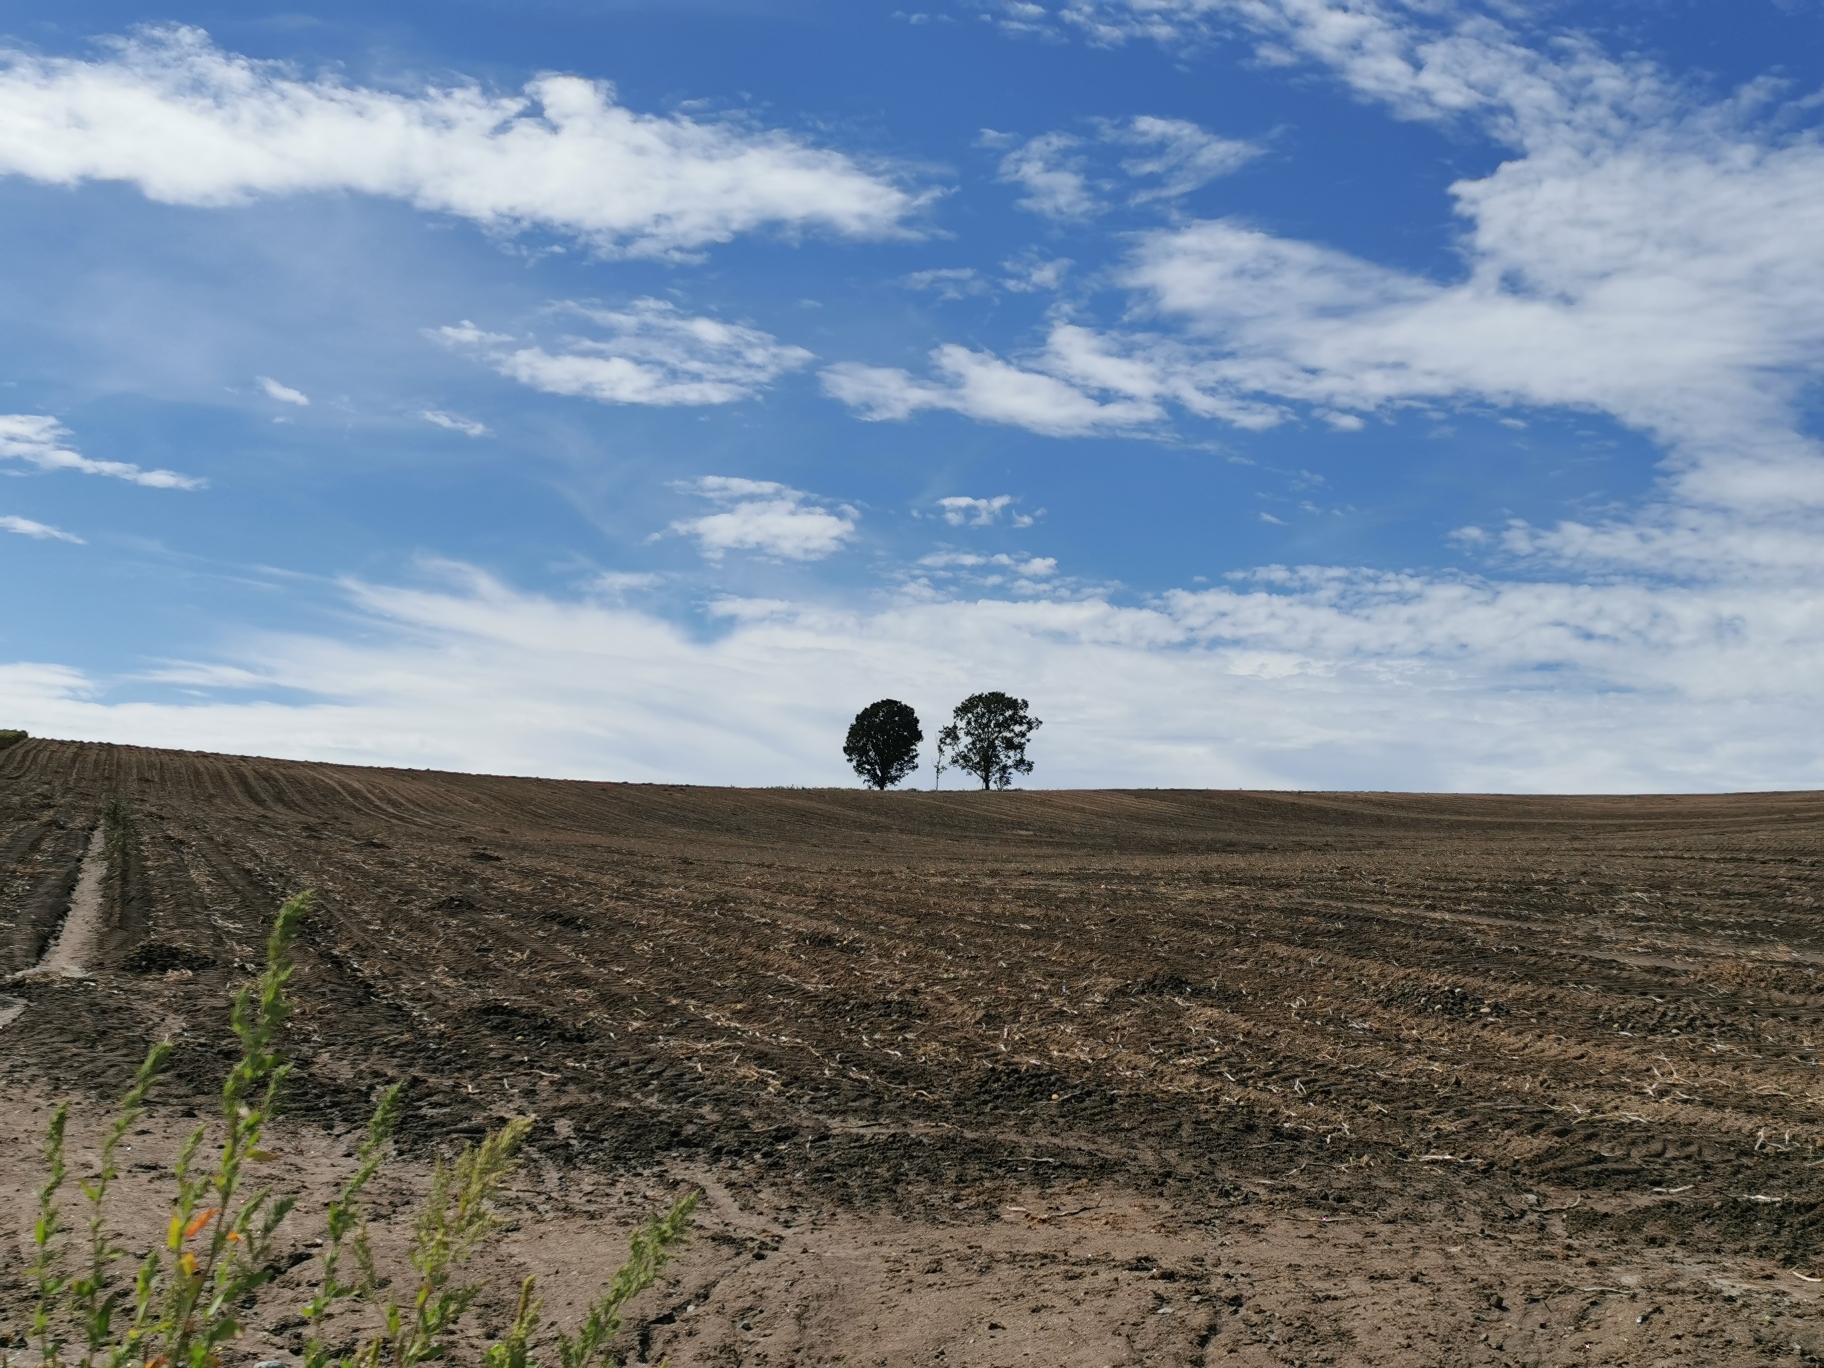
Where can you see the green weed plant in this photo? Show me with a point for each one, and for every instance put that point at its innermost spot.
(188, 1297)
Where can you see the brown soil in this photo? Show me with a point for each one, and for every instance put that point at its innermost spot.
(1013, 1078)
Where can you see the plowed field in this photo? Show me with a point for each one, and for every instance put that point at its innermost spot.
(1005, 1078)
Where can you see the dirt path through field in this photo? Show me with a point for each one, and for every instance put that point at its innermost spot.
(70, 955)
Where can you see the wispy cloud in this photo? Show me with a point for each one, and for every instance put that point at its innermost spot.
(1031, 272)
(647, 353)
(285, 394)
(188, 123)
(25, 527)
(1055, 169)
(980, 385)
(455, 422)
(40, 441)
(758, 515)
(1181, 157)
(617, 584)
(1081, 383)
(948, 282)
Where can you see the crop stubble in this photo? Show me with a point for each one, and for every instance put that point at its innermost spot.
(1510, 1060)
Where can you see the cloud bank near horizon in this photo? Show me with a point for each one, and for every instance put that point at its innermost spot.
(1294, 678)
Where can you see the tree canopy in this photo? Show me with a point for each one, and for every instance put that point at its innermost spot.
(883, 743)
(988, 738)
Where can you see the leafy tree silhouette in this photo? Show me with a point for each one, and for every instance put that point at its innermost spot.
(883, 743)
(988, 738)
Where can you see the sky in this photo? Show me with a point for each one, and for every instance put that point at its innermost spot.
(1394, 394)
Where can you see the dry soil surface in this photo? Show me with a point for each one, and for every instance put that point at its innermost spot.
(988, 1079)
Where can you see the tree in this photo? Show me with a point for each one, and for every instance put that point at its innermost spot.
(988, 738)
(883, 743)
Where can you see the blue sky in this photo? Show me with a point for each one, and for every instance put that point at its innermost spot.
(1277, 393)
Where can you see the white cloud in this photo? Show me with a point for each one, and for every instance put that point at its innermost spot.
(39, 440)
(982, 386)
(1643, 251)
(758, 515)
(617, 584)
(1030, 273)
(285, 394)
(25, 527)
(650, 353)
(1702, 347)
(950, 282)
(466, 334)
(962, 511)
(1053, 168)
(1033, 567)
(1050, 170)
(1184, 156)
(1297, 678)
(455, 422)
(191, 124)
(1080, 384)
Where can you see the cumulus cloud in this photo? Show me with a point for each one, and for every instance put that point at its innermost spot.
(1295, 678)
(758, 515)
(1051, 171)
(959, 509)
(1028, 567)
(647, 353)
(25, 527)
(455, 422)
(40, 441)
(962, 511)
(285, 394)
(169, 112)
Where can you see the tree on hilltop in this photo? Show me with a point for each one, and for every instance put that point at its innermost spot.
(883, 743)
(988, 738)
